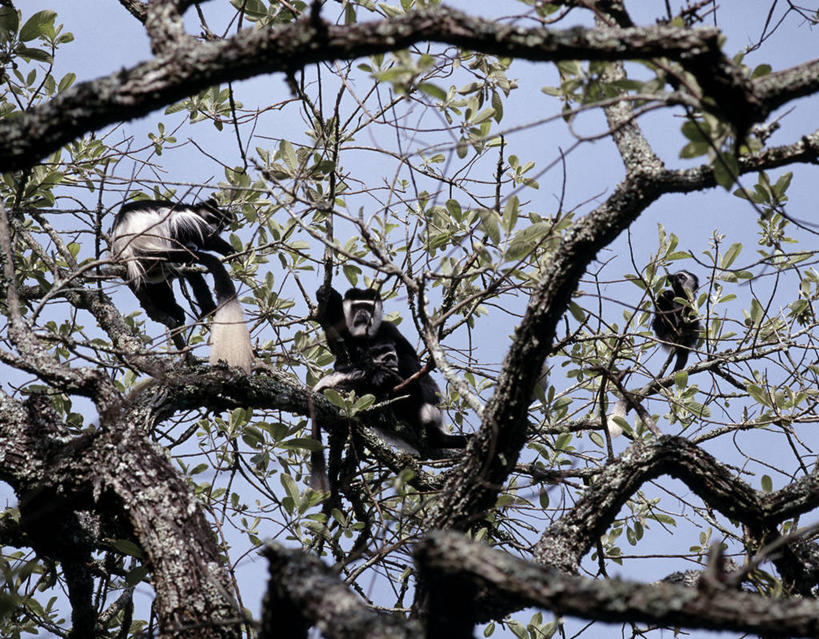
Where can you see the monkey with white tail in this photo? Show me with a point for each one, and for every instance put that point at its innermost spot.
(152, 238)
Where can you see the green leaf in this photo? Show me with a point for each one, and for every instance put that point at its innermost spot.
(127, 547)
(175, 108)
(334, 397)
(694, 149)
(694, 131)
(351, 272)
(726, 170)
(38, 25)
(758, 394)
(490, 220)
(290, 487)
(9, 22)
(392, 12)
(730, 255)
(757, 312)
(782, 184)
(33, 54)
(461, 148)
(363, 403)
(66, 82)
(569, 67)
(510, 213)
(577, 312)
(289, 155)
(454, 208)
(497, 105)
(526, 239)
(253, 9)
(301, 443)
(762, 69)
(136, 575)
(482, 116)
(767, 484)
(431, 89)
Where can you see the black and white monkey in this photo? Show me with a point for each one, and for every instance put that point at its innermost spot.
(372, 356)
(152, 238)
(675, 322)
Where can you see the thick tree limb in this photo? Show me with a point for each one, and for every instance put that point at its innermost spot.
(118, 473)
(202, 386)
(473, 487)
(495, 449)
(567, 540)
(504, 577)
(781, 87)
(182, 71)
(303, 592)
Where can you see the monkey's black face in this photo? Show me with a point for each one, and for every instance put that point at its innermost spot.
(362, 318)
(362, 312)
(684, 281)
(385, 355)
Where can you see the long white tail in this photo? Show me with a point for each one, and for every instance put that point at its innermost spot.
(620, 409)
(229, 337)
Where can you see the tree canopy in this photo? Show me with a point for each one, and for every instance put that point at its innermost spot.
(518, 180)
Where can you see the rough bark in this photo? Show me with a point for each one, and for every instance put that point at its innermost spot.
(302, 591)
(504, 577)
(184, 67)
(130, 483)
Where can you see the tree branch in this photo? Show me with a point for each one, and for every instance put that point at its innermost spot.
(302, 591)
(181, 72)
(567, 540)
(503, 577)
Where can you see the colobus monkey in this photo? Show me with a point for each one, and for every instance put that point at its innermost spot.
(152, 237)
(376, 374)
(372, 356)
(676, 322)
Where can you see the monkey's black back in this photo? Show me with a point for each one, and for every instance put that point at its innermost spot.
(676, 323)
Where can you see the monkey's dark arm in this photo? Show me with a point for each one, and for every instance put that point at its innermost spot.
(666, 316)
(330, 315)
(205, 238)
(222, 284)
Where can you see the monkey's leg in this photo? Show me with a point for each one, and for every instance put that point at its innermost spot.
(159, 302)
(682, 358)
(668, 359)
(201, 291)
